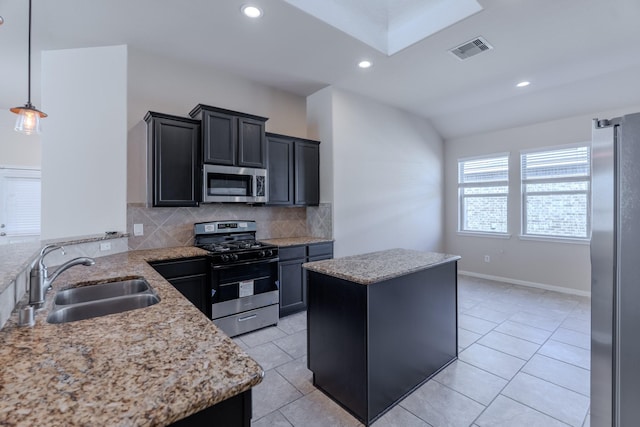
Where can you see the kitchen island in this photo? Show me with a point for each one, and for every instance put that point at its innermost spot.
(155, 366)
(380, 325)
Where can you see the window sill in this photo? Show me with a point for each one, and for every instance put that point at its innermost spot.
(551, 239)
(481, 234)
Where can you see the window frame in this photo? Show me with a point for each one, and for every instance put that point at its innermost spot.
(497, 183)
(524, 235)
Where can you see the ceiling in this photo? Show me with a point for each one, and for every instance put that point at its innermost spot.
(580, 55)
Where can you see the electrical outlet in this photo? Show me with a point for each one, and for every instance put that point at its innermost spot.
(138, 229)
(105, 246)
(487, 258)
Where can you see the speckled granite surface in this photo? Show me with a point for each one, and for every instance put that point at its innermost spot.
(144, 367)
(378, 266)
(15, 257)
(293, 241)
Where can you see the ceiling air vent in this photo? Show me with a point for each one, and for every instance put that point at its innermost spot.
(471, 48)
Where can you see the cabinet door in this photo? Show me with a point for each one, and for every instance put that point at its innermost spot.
(307, 173)
(219, 137)
(175, 167)
(280, 171)
(251, 143)
(293, 294)
(190, 277)
(194, 288)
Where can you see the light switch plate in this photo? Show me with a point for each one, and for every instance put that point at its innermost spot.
(138, 229)
(105, 246)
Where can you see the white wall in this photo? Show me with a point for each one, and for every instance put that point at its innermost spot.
(387, 174)
(175, 88)
(545, 264)
(84, 91)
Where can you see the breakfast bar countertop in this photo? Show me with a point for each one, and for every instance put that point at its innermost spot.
(150, 366)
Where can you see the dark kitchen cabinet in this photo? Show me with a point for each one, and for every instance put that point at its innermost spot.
(293, 166)
(235, 411)
(293, 283)
(190, 277)
(173, 160)
(231, 138)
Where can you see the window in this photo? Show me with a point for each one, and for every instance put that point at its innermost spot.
(483, 189)
(19, 204)
(556, 192)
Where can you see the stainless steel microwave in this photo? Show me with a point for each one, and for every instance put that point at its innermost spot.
(234, 184)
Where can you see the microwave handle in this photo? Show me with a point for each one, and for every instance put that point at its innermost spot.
(254, 186)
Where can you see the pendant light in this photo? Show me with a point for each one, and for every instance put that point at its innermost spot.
(29, 116)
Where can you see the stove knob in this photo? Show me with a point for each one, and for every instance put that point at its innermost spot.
(269, 252)
(262, 254)
(224, 258)
(234, 257)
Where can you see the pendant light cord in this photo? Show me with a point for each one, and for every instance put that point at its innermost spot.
(29, 59)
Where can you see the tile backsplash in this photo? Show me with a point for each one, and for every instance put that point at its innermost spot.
(165, 227)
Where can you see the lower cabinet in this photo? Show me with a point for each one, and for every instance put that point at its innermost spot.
(190, 277)
(293, 280)
(233, 412)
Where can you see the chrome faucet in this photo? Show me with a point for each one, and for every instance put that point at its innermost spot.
(40, 281)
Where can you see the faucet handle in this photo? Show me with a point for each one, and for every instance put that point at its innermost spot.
(44, 252)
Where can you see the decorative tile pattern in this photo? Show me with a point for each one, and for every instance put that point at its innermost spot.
(166, 227)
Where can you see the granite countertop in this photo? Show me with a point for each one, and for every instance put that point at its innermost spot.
(376, 267)
(16, 257)
(295, 241)
(150, 366)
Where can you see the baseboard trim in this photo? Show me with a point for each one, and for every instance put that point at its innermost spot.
(526, 283)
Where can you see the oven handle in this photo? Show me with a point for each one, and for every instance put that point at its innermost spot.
(239, 264)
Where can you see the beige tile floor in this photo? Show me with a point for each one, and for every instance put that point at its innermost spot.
(523, 361)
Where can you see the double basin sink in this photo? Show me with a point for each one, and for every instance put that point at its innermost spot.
(86, 302)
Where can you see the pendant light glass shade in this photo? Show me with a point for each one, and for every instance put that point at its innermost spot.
(28, 121)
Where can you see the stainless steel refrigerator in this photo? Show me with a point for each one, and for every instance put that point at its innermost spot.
(615, 273)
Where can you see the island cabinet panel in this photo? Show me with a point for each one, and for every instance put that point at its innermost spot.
(173, 160)
(233, 412)
(371, 345)
(231, 138)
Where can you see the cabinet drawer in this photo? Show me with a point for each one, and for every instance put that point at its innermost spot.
(292, 252)
(319, 249)
(181, 267)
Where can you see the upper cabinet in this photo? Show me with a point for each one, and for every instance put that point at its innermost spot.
(231, 138)
(294, 170)
(173, 160)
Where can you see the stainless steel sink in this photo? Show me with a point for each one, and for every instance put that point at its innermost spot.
(101, 291)
(92, 301)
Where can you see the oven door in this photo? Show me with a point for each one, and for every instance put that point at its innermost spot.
(234, 184)
(236, 288)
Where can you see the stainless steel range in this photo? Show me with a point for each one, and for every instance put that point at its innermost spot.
(244, 276)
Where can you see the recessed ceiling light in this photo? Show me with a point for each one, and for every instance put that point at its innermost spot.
(365, 64)
(523, 84)
(251, 11)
